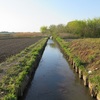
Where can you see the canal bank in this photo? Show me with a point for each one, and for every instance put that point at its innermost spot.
(54, 79)
(79, 59)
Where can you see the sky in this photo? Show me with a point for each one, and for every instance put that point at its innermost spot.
(30, 15)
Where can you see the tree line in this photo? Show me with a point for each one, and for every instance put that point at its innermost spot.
(82, 28)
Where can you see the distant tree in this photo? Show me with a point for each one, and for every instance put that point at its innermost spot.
(76, 27)
(93, 27)
(52, 29)
(44, 29)
(81, 28)
(61, 28)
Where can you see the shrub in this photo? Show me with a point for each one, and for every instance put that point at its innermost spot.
(10, 97)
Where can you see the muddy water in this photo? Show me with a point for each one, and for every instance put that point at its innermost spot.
(55, 80)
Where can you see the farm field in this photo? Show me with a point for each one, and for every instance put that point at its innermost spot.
(13, 46)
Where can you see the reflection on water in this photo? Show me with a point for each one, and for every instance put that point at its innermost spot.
(51, 43)
(54, 80)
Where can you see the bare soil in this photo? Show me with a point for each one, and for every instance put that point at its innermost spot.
(12, 46)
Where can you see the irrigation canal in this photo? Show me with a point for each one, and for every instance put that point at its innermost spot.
(54, 79)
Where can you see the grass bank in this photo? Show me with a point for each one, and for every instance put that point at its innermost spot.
(15, 72)
(84, 55)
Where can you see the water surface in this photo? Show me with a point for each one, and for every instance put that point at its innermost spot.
(55, 80)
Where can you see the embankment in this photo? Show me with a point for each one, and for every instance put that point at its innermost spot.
(84, 56)
(18, 71)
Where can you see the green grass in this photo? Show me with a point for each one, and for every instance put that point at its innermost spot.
(96, 81)
(10, 97)
(15, 75)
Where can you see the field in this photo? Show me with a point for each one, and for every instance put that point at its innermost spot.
(10, 47)
(11, 44)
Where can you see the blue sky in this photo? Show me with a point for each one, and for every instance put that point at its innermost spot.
(30, 15)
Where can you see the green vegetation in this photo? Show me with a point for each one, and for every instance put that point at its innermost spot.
(20, 66)
(85, 28)
(44, 29)
(10, 97)
(86, 55)
(77, 28)
(96, 80)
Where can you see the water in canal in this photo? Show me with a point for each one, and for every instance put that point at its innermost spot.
(55, 80)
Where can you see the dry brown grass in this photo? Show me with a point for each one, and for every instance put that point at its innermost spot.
(21, 34)
(68, 36)
(88, 51)
(27, 34)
